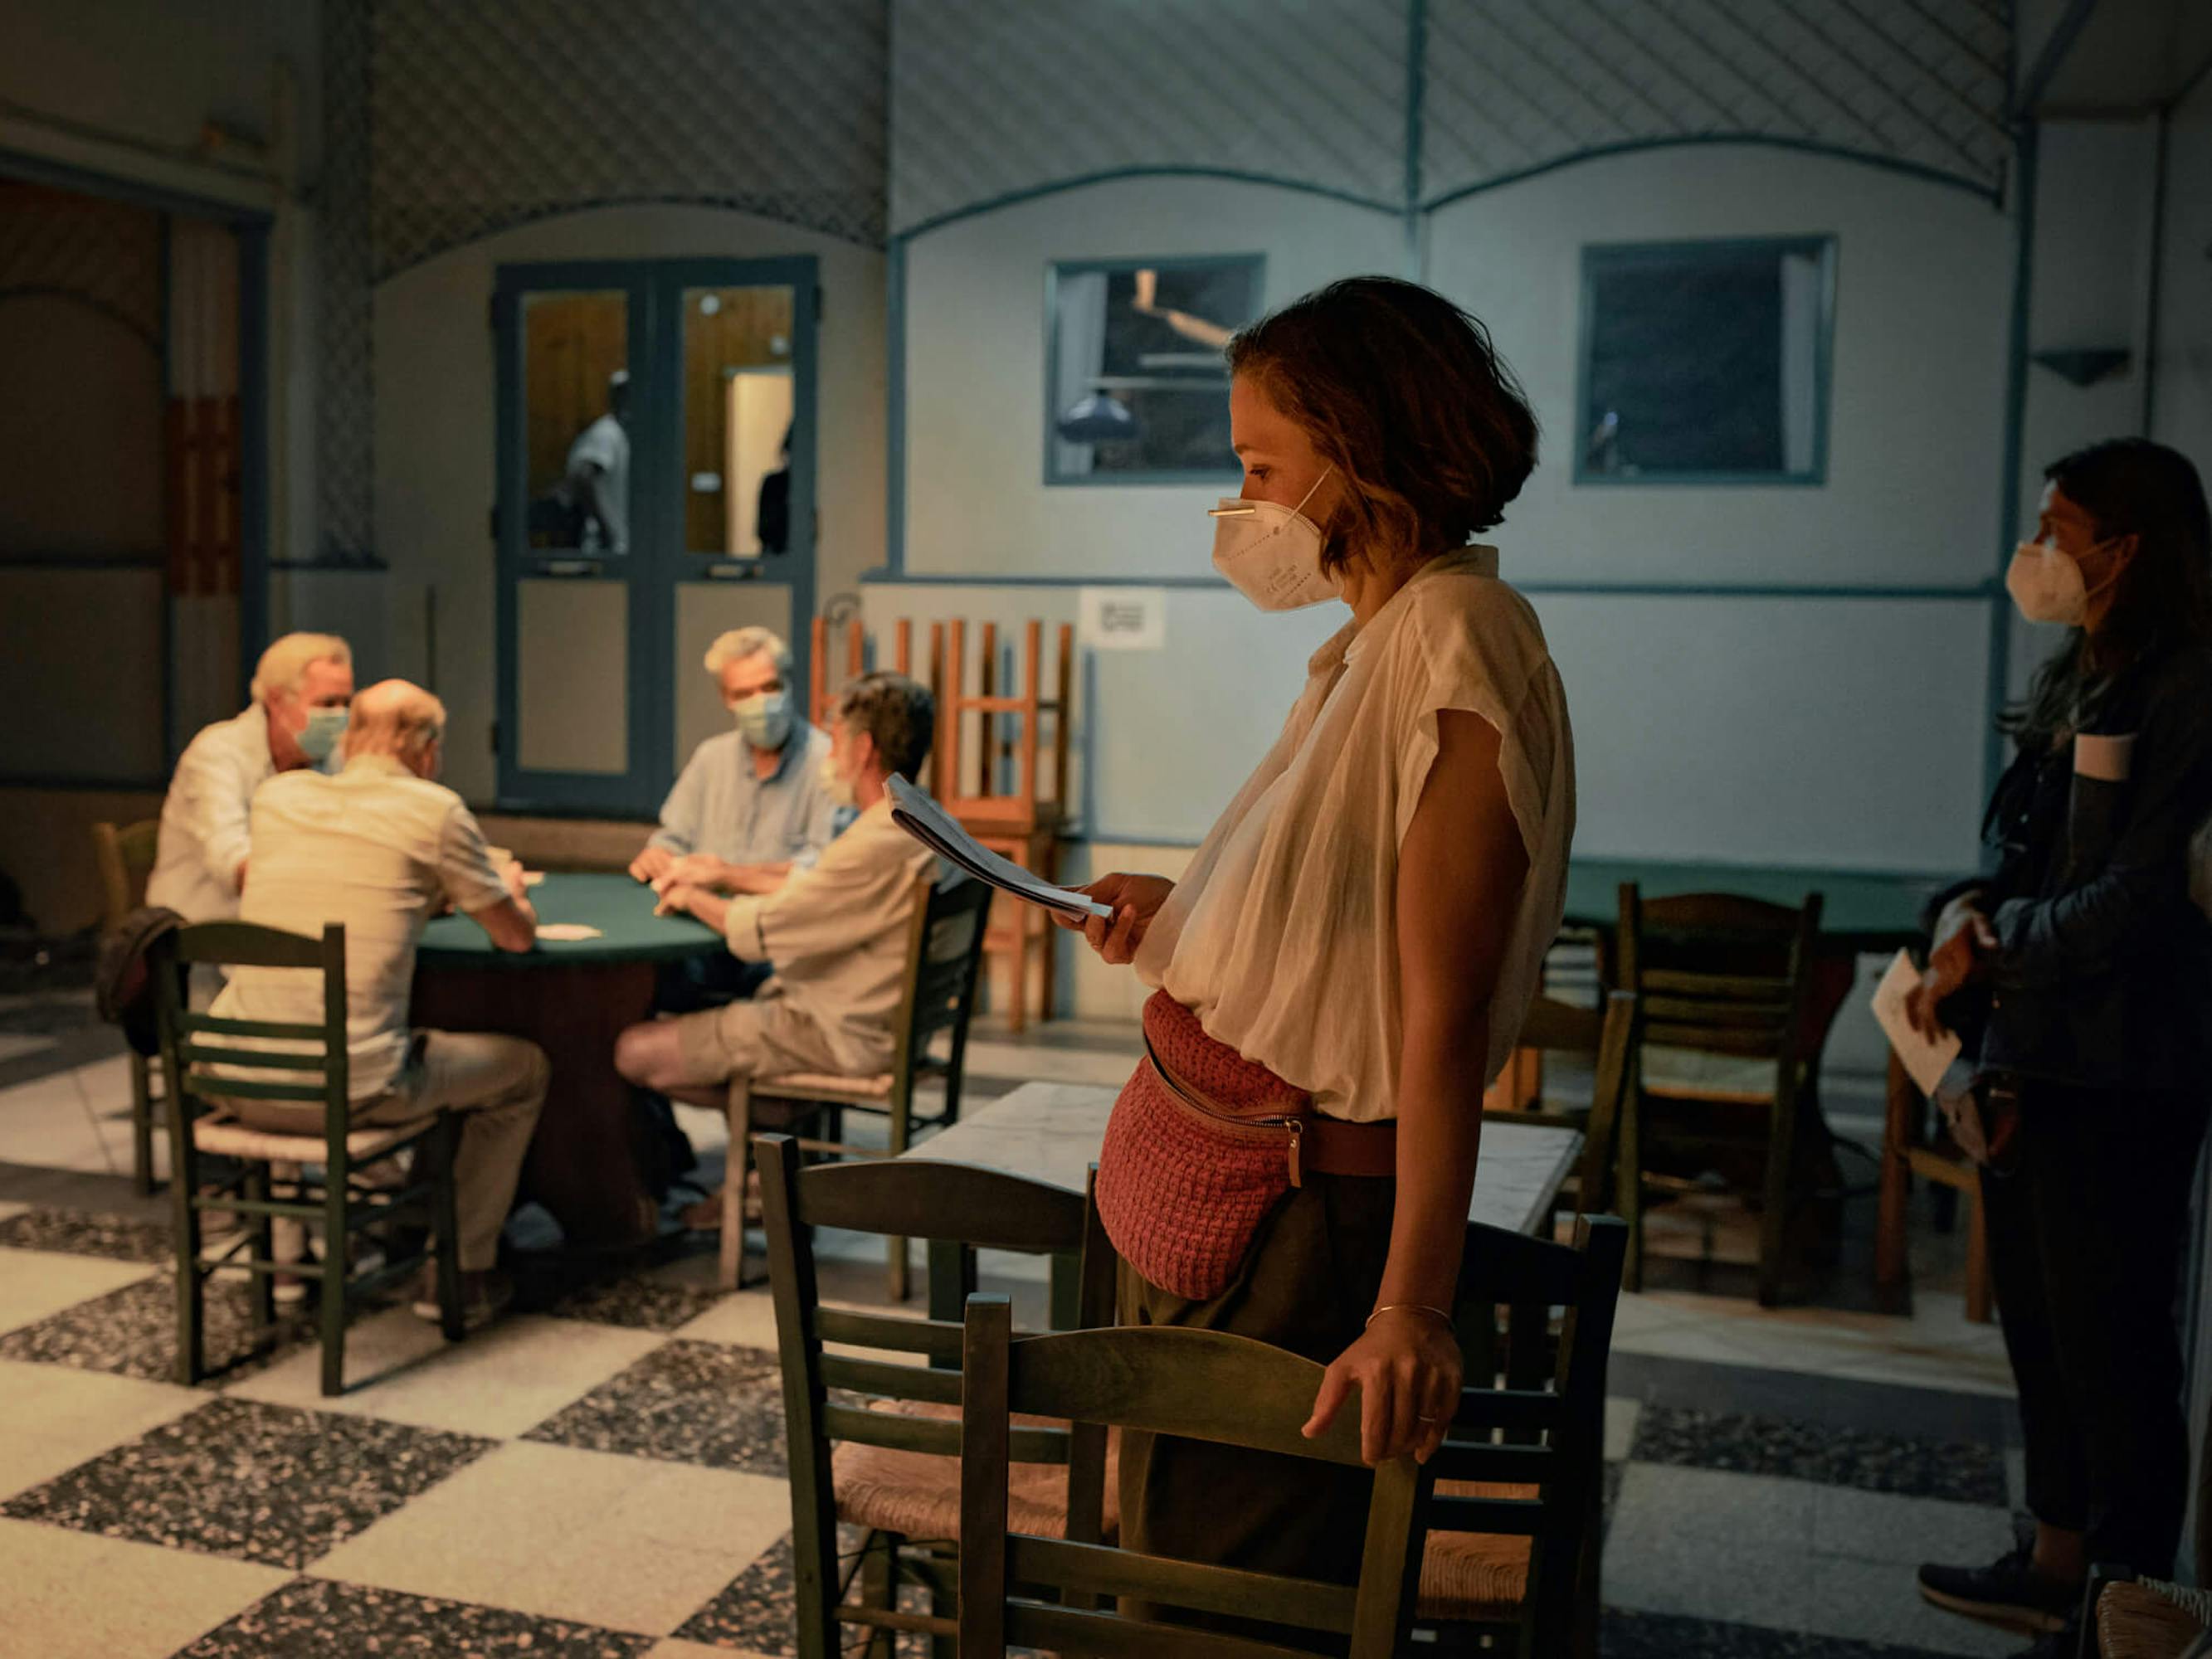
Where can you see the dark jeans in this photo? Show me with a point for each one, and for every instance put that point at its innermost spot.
(2086, 1241)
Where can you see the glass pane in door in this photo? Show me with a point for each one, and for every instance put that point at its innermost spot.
(738, 404)
(576, 397)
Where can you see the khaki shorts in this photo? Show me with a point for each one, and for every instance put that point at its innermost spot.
(761, 1038)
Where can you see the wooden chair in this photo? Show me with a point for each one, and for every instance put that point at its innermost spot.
(1202, 1384)
(1605, 1038)
(200, 1121)
(1511, 1556)
(895, 1470)
(1719, 975)
(1908, 1150)
(1024, 822)
(124, 857)
(2131, 1617)
(943, 955)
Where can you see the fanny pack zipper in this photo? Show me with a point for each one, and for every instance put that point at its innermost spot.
(1293, 1129)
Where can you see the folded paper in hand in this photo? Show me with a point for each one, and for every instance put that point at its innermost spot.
(935, 829)
(1924, 1062)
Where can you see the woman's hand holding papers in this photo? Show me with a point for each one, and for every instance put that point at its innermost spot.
(1134, 899)
(1961, 936)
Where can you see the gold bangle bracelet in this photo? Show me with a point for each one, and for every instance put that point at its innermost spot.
(1409, 1307)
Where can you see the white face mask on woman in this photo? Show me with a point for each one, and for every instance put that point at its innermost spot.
(1272, 553)
(2046, 585)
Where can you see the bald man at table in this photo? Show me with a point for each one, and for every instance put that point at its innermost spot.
(380, 848)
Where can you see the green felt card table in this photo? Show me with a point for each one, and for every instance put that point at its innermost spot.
(588, 1164)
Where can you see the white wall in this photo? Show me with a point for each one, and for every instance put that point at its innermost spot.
(436, 431)
(976, 502)
(2181, 397)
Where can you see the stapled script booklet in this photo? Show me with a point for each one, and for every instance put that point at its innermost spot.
(930, 824)
(1924, 1062)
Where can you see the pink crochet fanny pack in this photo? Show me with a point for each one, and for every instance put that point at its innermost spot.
(1202, 1145)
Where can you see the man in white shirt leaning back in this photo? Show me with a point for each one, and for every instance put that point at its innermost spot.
(301, 689)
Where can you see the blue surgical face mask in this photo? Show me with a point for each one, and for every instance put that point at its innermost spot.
(319, 738)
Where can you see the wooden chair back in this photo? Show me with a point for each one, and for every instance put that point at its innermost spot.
(944, 971)
(953, 1205)
(1605, 1037)
(1200, 1384)
(979, 734)
(315, 1058)
(1535, 1322)
(124, 854)
(1720, 973)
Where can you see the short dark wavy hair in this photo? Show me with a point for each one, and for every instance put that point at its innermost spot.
(898, 712)
(1403, 392)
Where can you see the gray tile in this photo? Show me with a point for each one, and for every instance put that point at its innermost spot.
(757, 1611)
(1627, 1635)
(1652, 1570)
(1875, 1461)
(79, 1232)
(133, 1332)
(1906, 1531)
(1715, 1506)
(256, 1482)
(1809, 1397)
(319, 1619)
(636, 1304)
(685, 1402)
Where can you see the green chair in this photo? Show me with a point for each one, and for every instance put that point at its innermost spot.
(1510, 1562)
(893, 1423)
(1603, 1038)
(123, 855)
(1726, 978)
(1059, 1594)
(944, 964)
(314, 1072)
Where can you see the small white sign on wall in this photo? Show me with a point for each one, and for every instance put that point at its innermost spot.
(1123, 618)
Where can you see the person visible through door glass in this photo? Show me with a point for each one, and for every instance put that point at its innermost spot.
(596, 480)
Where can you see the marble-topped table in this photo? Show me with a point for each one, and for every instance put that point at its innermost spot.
(1052, 1132)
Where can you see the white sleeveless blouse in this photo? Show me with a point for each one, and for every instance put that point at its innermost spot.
(1282, 936)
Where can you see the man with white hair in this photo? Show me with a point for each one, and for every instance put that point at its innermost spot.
(748, 807)
(301, 689)
(380, 847)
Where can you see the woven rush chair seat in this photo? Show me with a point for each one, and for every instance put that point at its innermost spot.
(1475, 1574)
(224, 1136)
(825, 1085)
(917, 1494)
(2150, 1620)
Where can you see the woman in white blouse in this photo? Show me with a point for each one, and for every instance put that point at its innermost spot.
(1366, 922)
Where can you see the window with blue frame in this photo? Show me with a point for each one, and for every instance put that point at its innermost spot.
(1706, 363)
(1136, 390)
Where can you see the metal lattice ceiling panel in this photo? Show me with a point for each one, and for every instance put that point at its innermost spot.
(995, 98)
(487, 113)
(345, 425)
(1515, 85)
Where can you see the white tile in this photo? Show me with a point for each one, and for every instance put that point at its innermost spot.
(499, 1381)
(1621, 1419)
(1881, 1602)
(73, 1595)
(745, 1320)
(14, 1045)
(672, 1648)
(1932, 1351)
(53, 1417)
(2015, 1459)
(1877, 1526)
(629, 1543)
(9, 1211)
(49, 1124)
(36, 1284)
(1715, 1506)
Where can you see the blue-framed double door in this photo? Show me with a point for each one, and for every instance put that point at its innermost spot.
(656, 487)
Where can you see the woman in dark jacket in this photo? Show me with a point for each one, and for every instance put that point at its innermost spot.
(2080, 977)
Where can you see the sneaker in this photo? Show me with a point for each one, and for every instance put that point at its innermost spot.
(484, 1296)
(2009, 1592)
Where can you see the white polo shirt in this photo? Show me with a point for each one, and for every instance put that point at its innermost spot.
(380, 850)
(204, 836)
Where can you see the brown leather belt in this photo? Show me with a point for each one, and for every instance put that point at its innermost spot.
(1326, 1145)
